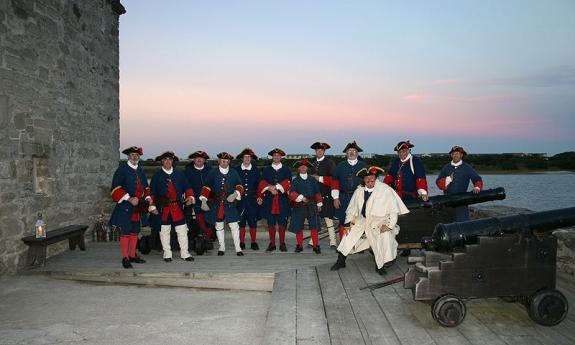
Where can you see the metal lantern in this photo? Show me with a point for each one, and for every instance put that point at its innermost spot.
(40, 227)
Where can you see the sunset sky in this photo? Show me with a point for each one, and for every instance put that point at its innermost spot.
(492, 76)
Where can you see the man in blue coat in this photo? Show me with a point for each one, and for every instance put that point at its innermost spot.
(272, 195)
(196, 173)
(248, 206)
(346, 181)
(455, 176)
(131, 193)
(170, 191)
(407, 174)
(306, 203)
(222, 190)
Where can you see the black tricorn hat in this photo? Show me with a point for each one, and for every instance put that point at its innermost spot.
(403, 145)
(301, 162)
(133, 149)
(372, 170)
(168, 154)
(320, 145)
(201, 154)
(247, 151)
(276, 150)
(225, 155)
(352, 145)
(457, 148)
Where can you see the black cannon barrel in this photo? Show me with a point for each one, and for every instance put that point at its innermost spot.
(446, 237)
(458, 199)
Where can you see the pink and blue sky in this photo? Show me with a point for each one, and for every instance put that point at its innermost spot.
(492, 76)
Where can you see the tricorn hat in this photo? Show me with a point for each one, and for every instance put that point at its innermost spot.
(301, 162)
(403, 145)
(372, 170)
(201, 154)
(320, 145)
(247, 151)
(225, 155)
(168, 154)
(352, 145)
(457, 148)
(276, 150)
(133, 149)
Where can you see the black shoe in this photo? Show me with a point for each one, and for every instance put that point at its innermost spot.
(240, 253)
(271, 248)
(317, 250)
(283, 247)
(333, 246)
(255, 246)
(340, 263)
(126, 263)
(242, 245)
(389, 264)
(298, 249)
(168, 259)
(137, 260)
(405, 252)
(381, 271)
(220, 253)
(189, 258)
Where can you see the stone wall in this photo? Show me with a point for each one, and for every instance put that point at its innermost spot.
(59, 115)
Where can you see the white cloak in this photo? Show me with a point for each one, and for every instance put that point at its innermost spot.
(383, 207)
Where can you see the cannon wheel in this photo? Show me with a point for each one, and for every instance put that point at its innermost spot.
(448, 310)
(548, 307)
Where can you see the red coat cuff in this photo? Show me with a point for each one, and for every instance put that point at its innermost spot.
(263, 184)
(189, 192)
(293, 195)
(147, 192)
(285, 184)
(479, 184)
(327, 180)
(388, 179)
(317, 197)
(335, 184)
(205, 192)
(421, 183)
(441, 183)
(118, 193)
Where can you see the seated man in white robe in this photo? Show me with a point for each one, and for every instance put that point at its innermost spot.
(371, 220)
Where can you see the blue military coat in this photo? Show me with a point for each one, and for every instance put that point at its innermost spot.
(347, 182)
(248, 206)
(124, 181)
(309, 188)
(217, 188)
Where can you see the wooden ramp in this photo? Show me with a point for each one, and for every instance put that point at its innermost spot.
(319, 306)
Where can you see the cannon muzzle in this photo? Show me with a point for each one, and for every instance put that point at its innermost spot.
(458, 199)
(447, 237)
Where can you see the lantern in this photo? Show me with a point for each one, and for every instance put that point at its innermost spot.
(40, 227)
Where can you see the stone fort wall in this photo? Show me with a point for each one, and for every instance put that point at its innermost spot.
(59, 115)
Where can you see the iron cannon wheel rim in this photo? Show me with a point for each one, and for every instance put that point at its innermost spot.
(548, 307)
(448, 310)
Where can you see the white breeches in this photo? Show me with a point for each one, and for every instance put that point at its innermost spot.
(182, 232)
(235, 228)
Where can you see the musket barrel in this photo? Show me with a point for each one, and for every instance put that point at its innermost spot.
(446, 237)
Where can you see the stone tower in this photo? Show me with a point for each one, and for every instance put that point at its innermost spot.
(59, 115)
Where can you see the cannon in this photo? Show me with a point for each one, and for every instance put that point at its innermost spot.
(511, 257)
(425, 215)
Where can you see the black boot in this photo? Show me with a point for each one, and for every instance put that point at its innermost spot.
(255, 246)
(298, 249)
(283, 247)
(126, 263)
(340, 263)
(242, 245)
(137, 260)
(271, 247)
(317, 249)
(381, 271)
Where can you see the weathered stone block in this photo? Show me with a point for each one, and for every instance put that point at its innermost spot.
(19, 121)
(7, 169)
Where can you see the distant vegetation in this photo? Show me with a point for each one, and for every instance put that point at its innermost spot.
(503, 162)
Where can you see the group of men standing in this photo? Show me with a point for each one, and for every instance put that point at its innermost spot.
(367, 209)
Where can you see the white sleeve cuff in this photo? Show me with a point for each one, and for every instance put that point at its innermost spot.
(477, 188)
(320, 204)
(320, 180)
(299, 198)
(392, 220)
(335, 193)
(448, 180)
(421, 192)
(266, 188)
(239, 195)
(280, 188)
(149, 198)
(193, 200)
(203, 198)
(124, 198)
(151, 208)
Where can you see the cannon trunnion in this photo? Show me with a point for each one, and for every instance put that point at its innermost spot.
(515, 263)
(425, 215)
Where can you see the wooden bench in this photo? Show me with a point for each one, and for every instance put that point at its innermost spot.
(38, 246)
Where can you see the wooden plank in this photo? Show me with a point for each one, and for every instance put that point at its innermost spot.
(374, 325)
(405, 324)
(310, 315)
(343, 326)
(281, 319)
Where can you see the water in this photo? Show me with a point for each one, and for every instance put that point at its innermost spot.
(537, 192)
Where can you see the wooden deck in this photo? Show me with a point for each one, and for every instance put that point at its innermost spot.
(313, 305)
